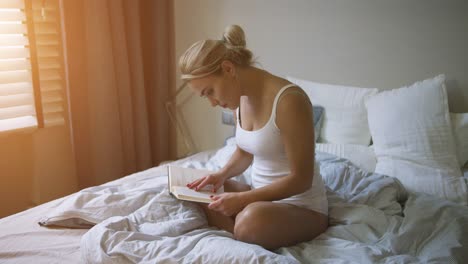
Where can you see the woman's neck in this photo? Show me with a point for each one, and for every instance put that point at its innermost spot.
(252, 82)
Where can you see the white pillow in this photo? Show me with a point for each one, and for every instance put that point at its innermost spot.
(359, 155)
(460, 133)
(345, 116)
(413, 141)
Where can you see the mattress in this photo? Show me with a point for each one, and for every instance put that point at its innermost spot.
(23, 240)
(135, 220)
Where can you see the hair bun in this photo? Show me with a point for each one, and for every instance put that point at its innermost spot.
(234, 36)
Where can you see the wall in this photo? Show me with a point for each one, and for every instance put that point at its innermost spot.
(365, 43)
(53, 164)
(35, 167)
(16, 179)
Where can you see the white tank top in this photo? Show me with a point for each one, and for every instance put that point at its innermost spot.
(270, 162)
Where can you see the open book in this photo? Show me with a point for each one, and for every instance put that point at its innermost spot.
(179, 177)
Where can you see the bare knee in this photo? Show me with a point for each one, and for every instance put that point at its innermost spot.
(249, 223)
(217, 219)
(266, 224)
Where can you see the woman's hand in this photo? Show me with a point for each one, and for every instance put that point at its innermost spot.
(228, 204)
(215, 179)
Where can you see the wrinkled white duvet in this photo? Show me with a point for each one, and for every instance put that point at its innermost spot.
(372, 220)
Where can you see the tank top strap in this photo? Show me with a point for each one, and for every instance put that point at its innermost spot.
(275, 102)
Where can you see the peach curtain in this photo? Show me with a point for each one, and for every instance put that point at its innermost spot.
(121, 68)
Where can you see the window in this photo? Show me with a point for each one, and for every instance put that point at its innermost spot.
(31, 65)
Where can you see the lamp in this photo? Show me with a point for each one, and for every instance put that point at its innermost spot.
(177, 119)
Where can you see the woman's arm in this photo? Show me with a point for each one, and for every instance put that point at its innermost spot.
(238, 163)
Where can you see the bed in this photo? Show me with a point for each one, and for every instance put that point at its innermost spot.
(374, 218)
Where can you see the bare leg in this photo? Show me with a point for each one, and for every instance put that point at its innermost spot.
(274, 225)
(268, 224)
(219, 220)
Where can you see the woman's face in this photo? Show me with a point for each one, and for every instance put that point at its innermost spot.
(222, 90)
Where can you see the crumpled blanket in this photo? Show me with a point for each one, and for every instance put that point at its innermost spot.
(372, 220)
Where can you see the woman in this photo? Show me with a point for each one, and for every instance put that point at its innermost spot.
(286, 203)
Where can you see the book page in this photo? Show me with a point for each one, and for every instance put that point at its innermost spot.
(179, 176)
(182, 176)
(185, 191)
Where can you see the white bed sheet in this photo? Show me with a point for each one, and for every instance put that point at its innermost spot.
(23, 240)
(137, 221)
(360, 155)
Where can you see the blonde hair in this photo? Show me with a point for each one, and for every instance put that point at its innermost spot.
(205, 56)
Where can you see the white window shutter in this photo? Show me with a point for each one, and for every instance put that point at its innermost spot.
(32, 82)
(47, 29)
(16, 90)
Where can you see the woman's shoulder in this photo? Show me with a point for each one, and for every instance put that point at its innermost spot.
(294, 112)
(292, 102)
(275, 84)
(292, 94)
